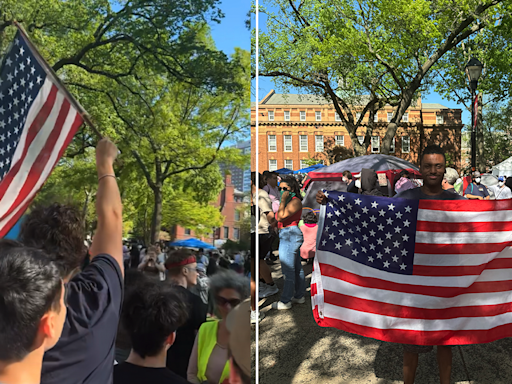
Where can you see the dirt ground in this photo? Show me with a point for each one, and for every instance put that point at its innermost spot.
(294, 349)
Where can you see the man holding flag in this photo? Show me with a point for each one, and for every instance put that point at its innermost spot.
(414, 271)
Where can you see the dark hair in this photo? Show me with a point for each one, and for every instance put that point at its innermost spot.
(224, 262)
(433, 149)
(260, 180)
(293, 184)
(347, 174)
(404, 173)
(30, 285)
(176, 257)
(151, 314)
(58, 230)
(310, 218)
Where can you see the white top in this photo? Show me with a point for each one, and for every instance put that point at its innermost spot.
(501, 193)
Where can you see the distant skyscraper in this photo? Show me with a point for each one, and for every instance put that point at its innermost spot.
(241, 178)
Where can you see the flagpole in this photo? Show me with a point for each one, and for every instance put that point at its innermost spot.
(83, 113)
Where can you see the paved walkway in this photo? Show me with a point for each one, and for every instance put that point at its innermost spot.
(294, 349)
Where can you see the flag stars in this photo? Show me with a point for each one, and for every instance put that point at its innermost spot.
(399, 215)
(351, 230)
(355, 252)
(372, 233)
(340, 197)
(358, 240)
(344, 222)
(365, 210)
(386, 264)
(358, 228)
(357, 215)
(10, 77)
(370, 259)
(407, 223)
(351, 219)
(335, 223)
(348, 242)
(357, 201)
(326, 228)
(342, 232)
(405, 237)
(408, 209)
(404, 252)
(373, 219)
(379, 255)
(8, 61)
(22, 51)
(349, 206)
(396, 244)
(324, 242)
(389, 221)
(32, 70)
(387, 250)
(365, 238)
(403, 266)
(363, 249)
(372, 247)
(337, 213)
(364, 224)
(391, 207)
(395, 259)
(375, 204)
(338, 246)
(332, 236)
(388, 236)
(380, 227)
(329, 215)
(39, 79)
(398, 229)
(382, 212)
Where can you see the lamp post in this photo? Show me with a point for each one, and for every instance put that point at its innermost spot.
(473, 71)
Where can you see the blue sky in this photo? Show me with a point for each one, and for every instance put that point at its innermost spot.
(231, 32)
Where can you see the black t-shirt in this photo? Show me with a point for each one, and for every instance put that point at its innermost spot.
(417, 194)
(179, 353)
(127, 373)
(476, 190)
(85, 351)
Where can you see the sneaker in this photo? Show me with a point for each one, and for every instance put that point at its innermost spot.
(302, 300)
(253, 316)
(280, 305)
(269, 291)
(262, 290)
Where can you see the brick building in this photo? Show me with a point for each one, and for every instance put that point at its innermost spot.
(293, 128)
(230, 201)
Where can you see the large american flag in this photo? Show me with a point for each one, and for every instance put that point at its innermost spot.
(417, 272)
(37, 122)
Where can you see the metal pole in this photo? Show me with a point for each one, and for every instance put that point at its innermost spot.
(473, 132)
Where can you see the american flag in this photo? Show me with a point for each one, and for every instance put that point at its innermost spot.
(37, 123)
(416, 272)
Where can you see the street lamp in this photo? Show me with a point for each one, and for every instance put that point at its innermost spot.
(473, 71)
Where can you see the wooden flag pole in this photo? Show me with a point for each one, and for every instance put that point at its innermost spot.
(83, 113)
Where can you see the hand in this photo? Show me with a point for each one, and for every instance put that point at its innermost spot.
(320, 198)
(285, 195)
(106, 154)
(480, 198)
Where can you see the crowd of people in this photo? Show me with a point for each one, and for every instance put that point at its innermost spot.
(103, 314)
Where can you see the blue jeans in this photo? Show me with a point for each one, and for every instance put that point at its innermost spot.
(290, 240)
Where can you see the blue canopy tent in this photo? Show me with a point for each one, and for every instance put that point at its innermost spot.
(284, 171)
(191, 243)
(309, 169)
(15, 230)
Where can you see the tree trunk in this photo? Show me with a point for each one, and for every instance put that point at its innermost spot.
(85, 207)
(156, 221)
(481, 161)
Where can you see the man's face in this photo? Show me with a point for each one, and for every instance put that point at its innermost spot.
(432, 169)
(272, 181)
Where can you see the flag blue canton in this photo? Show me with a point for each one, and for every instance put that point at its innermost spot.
(376, 231)
(21, 77)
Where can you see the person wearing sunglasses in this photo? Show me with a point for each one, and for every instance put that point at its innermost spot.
(182, 271)
(209, 361)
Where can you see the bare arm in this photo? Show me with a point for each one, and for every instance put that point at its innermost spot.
(192, 365)
(474, 197)
(108, 238)
(289, 210)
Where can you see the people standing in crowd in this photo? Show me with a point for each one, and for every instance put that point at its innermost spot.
(209, 361)
(134, 256)
(272, 190)
(449, 180)
(261, 221)
(508, 182)
(404, 182)
(202, 259)
(85, 351)
(151, 267)
(475, 190)
(290, 241)
(203, 284)
(126, 256)
(347, 177)
(32, 311)
(501, 191)
(182, 270)
(151, 315)
(370, 183)
(239, 349)
(309, 231)
(161, 260)
(213, 265)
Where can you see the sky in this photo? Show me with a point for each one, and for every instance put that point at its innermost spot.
(266, 85)
(231, 32)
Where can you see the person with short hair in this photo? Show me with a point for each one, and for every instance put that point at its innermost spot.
(32, 311)
(151, 315)
(449, 180)
(151, 266)
(476, 190)
(209, 361)
(86, 348)
(182, 271)
(272, 190)
(239, 349)
(347, 176)
(501, 191)
(309, 230)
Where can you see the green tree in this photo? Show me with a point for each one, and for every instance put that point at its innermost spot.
(385, 50)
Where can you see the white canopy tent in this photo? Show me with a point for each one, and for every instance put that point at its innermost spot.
(503, 169)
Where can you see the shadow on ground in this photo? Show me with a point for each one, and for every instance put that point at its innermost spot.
(294, 349)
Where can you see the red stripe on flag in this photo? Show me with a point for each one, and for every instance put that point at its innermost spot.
(405, 312)
(372, 282)
(484, 226)
(34, 129)
(420, 337)
(7, 227)
(460, 249)
(313, 289)
(466, 206)
(463, 270)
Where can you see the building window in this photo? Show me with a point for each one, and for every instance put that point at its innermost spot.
(392, 146)
(406, 144)
(237, 215)
(226, 232)
(303, 143)
(360, 139)
(236, 233)
(390, 116)
(337, 117)
(270, 115)
(319, 143)
(288, 164)
(302, 115)
(286, 115)
(405, 117)
(272, 165)
(340, 140)
(318, 116)
(287, 143)
(376, 117)
(272, 144)
(303, 164)
(375, 144)
(439, 119)
(187, 231)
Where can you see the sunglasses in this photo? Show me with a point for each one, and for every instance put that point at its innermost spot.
(284, 189)
(193, 269)
(222, 301)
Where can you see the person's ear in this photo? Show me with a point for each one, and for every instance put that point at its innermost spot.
(171, 339)
(47, 328)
